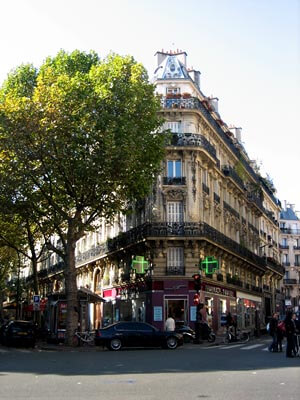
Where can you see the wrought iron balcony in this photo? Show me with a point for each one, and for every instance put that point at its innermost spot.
(231, 173)
(231, 209)
(290, 281)
(296, 247)
(290, 231)
(175, 270)
(284, 246)
(193, 139)
(205, 188)
(174, 180)
(91, 253)
(217, 198)
(199, 230)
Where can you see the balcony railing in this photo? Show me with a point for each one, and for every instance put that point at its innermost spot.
(194, 139)
(290, 281)
(284, 246)
(296, 247)
(290, 231)
(231, 173)
(286, 264)
(231, 209)
(167, 180)
(185, 229)
(205, 188)
(175, 270)
(195, 103)
(216, 198)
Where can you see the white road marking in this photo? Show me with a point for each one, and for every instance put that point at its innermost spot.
(253, 346)
(231, 347)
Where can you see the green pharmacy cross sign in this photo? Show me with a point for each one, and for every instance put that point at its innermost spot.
(210, 265)
(139, 264)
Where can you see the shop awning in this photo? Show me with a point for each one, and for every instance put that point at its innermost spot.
(91, 297)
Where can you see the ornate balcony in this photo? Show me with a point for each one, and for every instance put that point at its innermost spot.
(175, 270)
(194, 139)
(174, 180)
(199, 230)
(290, 281)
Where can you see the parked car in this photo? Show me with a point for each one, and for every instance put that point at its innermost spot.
(136, 334)
(18, 333)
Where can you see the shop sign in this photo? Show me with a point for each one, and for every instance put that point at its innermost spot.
(209, 265)
(157, 313)
(139, 265)
(193, 313)
(218, 290)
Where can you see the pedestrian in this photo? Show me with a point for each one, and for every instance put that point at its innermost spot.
(294, 321)
(290, 335)
(280, 334)
(273, 347)
(230, 324)
(170, 323)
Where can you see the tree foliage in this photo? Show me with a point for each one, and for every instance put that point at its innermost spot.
(78, 142)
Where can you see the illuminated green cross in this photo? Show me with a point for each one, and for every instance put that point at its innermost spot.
(139, 265)
(210, 265)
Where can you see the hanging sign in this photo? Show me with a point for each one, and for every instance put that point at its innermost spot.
(140, 265)
(209, 265)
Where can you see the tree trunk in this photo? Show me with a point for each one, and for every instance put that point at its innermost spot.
(71, 286)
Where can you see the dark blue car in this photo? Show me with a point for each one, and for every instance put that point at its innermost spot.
(136, 334)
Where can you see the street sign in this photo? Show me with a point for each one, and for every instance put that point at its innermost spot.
(36, 298)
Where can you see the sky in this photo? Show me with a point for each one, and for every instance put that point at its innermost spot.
(248, 53)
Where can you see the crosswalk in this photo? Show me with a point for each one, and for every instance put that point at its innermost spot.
(263, 346)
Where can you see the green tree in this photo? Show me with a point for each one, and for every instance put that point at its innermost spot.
(8, 264)
(80, 136)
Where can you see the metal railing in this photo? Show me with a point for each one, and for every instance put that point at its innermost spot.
(167, 180)
(194, 139)
(175, 270)
(290, 281)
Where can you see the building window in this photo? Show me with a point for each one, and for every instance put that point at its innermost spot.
(173, 90)
(174, 169)
(175, 211)
(175, 264)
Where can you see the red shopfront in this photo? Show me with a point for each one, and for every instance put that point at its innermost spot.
(218, 300)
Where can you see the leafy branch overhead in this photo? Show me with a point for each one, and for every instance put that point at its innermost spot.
(78, 140)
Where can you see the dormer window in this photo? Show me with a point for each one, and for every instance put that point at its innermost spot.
(175, 90)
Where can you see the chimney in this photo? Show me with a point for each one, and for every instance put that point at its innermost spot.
(237, 132)
(161, 55)
(195, 76)
(214, 102)
(181, 55)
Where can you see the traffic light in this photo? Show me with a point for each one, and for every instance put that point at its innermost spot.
(197, 282)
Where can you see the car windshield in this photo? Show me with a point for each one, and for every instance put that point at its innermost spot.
(22, 325)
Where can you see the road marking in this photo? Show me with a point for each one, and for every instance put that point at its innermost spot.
(231, 347)
(253, 346)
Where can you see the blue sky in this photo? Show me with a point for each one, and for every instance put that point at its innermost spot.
(248, 52)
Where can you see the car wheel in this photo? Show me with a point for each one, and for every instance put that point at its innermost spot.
(211, 337)
(172, 343)
(115, 344)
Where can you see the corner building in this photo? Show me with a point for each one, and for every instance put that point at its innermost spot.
(209, 210)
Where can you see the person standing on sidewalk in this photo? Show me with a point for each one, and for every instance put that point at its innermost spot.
(273, 332)
(170, 323)
(290, 334)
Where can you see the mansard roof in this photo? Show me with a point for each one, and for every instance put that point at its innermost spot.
(289, 214)
(171, 68)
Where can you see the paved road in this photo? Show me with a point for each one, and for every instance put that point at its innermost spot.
(235, 372)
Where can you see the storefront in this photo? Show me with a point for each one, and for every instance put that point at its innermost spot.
(250, 313)
(126, 303)
(217, 300)
(56, 313)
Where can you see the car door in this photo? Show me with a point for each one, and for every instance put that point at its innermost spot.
(129, 334)
(149, 335)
